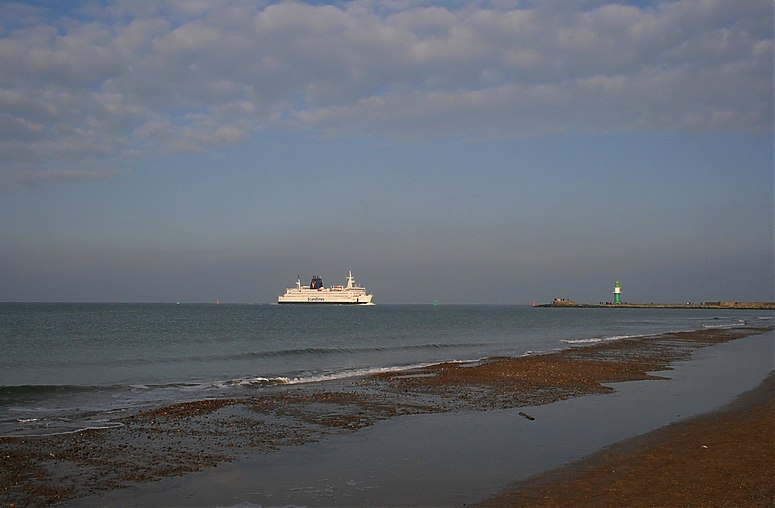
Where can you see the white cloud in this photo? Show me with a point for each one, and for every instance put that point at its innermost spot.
(134, 78)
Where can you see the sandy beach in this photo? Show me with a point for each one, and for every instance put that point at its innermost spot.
(725, 459)
(199, 436)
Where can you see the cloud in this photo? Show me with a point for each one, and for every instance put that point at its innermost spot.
(97, 82)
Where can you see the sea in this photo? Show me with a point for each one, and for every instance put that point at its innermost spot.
(67, 367)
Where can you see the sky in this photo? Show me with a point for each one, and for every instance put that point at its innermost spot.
(502, 152)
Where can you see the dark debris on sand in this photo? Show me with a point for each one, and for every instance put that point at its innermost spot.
(722, 459)
(187, 437)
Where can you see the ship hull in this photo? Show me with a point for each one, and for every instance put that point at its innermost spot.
(323, 298)
(323, 303)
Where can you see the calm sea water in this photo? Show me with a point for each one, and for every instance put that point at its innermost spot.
(66, 367)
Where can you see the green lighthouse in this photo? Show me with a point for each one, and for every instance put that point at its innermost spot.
(617, 293)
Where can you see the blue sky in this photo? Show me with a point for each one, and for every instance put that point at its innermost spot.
(472, 152)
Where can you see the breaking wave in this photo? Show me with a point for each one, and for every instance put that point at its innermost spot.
(594, 340)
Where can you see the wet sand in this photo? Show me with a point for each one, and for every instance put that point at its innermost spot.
(189, 437)
(723, 459)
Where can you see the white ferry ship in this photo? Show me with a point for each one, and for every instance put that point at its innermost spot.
(315, 293)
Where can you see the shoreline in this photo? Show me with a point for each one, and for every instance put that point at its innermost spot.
(187, 437)
(722, 458)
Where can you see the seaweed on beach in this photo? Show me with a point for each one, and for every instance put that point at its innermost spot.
(186, 437)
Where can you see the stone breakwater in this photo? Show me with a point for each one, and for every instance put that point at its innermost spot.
(187, 437)
(688, 305)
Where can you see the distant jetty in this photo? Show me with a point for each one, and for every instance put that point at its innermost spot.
(564, 302)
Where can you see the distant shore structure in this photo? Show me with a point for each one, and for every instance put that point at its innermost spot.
(618, 303)
(564, 302)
